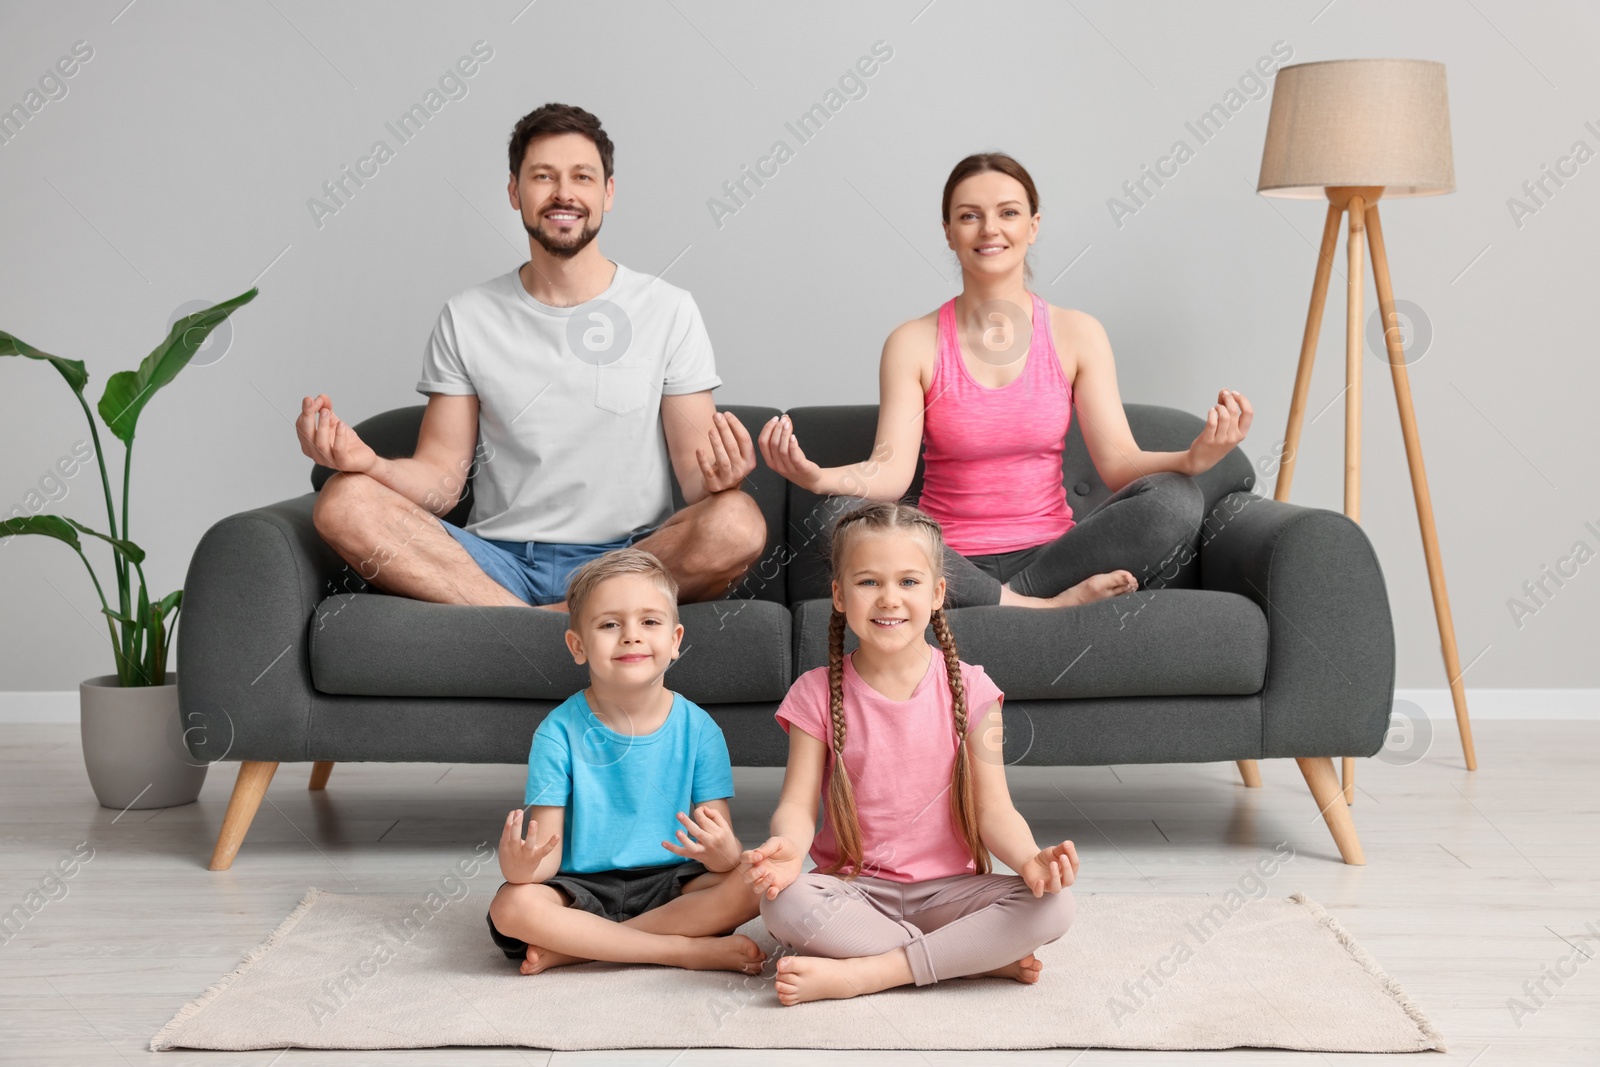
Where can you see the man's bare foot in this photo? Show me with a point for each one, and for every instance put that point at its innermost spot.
(1097, 587)
(539, 960)
(735, 952)
(1026, 970)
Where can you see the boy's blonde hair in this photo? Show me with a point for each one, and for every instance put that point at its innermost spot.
(840, 801)
(587, 578)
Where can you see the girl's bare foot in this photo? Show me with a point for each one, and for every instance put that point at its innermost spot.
(735, 952)
(803, 978)
(1091, 589)
(539, 960)
(1026, 970)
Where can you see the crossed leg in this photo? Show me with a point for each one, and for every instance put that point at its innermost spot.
(693, 930)
(401, 548)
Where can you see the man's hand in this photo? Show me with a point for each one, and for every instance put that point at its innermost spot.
(520, 859)
(329, 440)
(730, 456)
(1052, 869)
(1226, 425)
(773, 867)
(713, 843)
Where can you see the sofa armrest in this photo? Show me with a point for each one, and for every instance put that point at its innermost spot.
(1330, 635)
(253, 585)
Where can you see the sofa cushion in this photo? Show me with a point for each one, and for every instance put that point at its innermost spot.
(1166, 642)
(367, 644)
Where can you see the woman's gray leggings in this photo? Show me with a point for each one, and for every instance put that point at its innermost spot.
(949, 927)
(1137, 529)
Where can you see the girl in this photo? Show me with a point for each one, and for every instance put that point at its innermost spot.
(987, 384)
(902, 891)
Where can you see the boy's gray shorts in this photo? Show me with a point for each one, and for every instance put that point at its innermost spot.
(617, 895)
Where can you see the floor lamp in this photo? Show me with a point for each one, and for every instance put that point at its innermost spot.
(1355, 130)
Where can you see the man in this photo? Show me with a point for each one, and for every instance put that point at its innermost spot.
(565, 387)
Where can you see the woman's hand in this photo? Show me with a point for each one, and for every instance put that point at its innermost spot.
(1226, 425)
(773, 867)
(781, 449)
(713, 840)
(519, 858)
(728, 458)
(1052, 869)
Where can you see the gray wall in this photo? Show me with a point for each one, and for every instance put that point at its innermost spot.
(179, 163)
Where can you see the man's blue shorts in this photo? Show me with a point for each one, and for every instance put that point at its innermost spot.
(536, 571)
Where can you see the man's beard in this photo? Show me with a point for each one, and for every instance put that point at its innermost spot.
(559, 246)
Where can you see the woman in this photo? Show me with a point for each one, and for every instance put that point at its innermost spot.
(988, 383)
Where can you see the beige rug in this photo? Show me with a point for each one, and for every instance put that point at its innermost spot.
(1135, 971)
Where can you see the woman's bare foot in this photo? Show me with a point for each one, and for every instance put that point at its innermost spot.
(1026, 970)
(1091, 589)
(539, 960)
(735, 952)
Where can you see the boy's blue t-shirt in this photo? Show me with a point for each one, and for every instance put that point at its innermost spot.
(622, 793)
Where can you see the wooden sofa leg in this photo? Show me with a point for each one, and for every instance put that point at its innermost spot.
(1349, 780)
(248, 789)
(319, 774)
(1329, 795)
(1250, 771)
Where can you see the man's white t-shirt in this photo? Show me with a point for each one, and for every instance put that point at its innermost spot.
(570, 445)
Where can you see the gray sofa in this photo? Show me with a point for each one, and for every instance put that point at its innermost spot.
(1273, 641)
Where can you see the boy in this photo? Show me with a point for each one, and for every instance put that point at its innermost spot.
(609, 770)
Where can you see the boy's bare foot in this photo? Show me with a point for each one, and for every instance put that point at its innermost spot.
(1026, 970)
(735, 952)
(539, 960)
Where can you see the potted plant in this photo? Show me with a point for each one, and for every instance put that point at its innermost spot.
(132, 739)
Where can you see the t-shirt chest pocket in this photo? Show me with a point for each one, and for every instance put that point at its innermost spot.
(623, 387)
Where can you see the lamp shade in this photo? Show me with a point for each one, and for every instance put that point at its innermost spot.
(1358, 122)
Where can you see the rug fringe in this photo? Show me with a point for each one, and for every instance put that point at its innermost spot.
(1360, 955)
(163, 1040)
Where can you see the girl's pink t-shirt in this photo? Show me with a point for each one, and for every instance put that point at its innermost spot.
(900, 755)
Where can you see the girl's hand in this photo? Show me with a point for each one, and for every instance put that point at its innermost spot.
(519, 858)
(781, 449)
(1052, 870)
(713, 839)
(773, 867)
(1226, 425)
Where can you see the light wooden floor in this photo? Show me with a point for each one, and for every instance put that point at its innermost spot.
(1474, 883)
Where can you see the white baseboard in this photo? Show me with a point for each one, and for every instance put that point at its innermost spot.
(1509, 703)
(1481, 704)
(39, 707)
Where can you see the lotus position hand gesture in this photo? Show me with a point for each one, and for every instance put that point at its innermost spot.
(713, 843)
(1052, 870)
(520, 859)
(729, 456)
(1226, 425)
(781, 449)
(329, 440)
(773, 867)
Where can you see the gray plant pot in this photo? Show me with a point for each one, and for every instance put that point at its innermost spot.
(133, 745)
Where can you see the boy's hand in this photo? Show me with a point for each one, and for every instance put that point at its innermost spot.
(1052, 870)
(713, 842)
(773, 867)
(519, 858)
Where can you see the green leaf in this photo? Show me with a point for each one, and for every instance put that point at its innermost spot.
(127, 392)
(71, 369)
(46, 525)
(134, 553)
(168, 602)
(119, 616)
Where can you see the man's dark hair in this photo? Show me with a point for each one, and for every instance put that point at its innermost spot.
(558, 118)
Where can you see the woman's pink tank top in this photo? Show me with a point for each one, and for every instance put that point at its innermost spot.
(993, 456)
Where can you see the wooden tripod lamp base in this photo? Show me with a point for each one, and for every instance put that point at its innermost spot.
(1361, 204)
